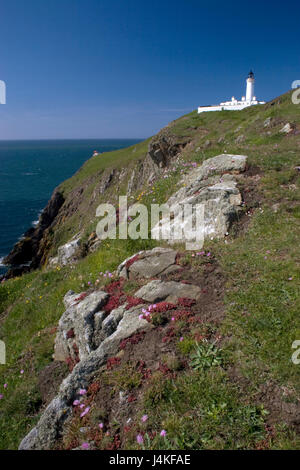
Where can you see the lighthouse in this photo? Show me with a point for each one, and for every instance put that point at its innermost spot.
(234, 104)
(250, 87)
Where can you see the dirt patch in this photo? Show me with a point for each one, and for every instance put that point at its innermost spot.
(248, 185)
(209, 277)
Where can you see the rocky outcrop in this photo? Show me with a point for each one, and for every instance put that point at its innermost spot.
(164, 147)
(50, 425)
(66, 253)
(214, 185)
(27, 250)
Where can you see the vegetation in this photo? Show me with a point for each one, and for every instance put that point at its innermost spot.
(218, 401)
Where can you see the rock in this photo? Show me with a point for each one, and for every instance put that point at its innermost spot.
(148, 264)
(212, 185)
(76, 328)
(170, 291)
(67, 253)
(50, 425)
(28, 249)
(286, 129)
(109, 325)
(240, 139)
(267, 122)
(53, 262)
(164, 147)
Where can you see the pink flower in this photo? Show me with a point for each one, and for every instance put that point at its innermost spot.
(22, 371)
(1, 396)
(85, 445)
(173, 318)
(76, 402)
(141, 317)
(82, 406)
(82, 391)
(85, 412)
(163, 433)
(144, 418)
(101, 425)
(5, 385)
(181, 338)
(139, 439)
(290, 278)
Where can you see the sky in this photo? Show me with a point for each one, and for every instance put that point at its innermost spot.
(125, 68)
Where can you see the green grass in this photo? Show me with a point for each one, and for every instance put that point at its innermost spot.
(200, 409)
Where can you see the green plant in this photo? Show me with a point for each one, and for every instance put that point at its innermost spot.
(205, 356)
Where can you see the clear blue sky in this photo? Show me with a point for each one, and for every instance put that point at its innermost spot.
(125, 68)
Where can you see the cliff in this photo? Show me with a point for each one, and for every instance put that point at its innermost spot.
(120, 340)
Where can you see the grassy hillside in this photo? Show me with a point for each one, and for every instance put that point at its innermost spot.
(250, 398)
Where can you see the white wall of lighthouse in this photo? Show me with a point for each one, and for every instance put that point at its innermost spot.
(250, 89)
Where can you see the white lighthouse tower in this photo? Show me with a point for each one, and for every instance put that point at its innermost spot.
(234, 104)
(250, 87)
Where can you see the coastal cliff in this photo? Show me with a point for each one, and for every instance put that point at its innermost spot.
(118, 344)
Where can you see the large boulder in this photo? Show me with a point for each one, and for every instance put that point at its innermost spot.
(148, 264)
(170, 291)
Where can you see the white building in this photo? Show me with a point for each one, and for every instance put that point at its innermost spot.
(235, 105)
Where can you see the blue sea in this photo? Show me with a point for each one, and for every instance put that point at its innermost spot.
(29, 171)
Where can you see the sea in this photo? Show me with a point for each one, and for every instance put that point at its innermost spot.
(29, 171)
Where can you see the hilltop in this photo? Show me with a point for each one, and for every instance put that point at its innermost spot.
(218, 376)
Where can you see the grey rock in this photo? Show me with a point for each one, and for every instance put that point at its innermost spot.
(170, 291)
(44, 435)
(50, 425)
(149, 264)
(214, 186)
(267, 122)
(240, 139)
(76, 326)
(66, 253)
(109, 325)
(286, 129)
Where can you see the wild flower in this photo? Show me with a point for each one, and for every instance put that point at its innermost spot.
(181, 338)
(139, 439)
(101, 425)
(85, 445)
(85, 412)
(82, 391)
(76, 402)
(144, 418)
(163, 433)
(5, 385)
(1, 396)
(22, 371)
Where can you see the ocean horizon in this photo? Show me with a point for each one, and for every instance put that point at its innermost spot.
(29, 172)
